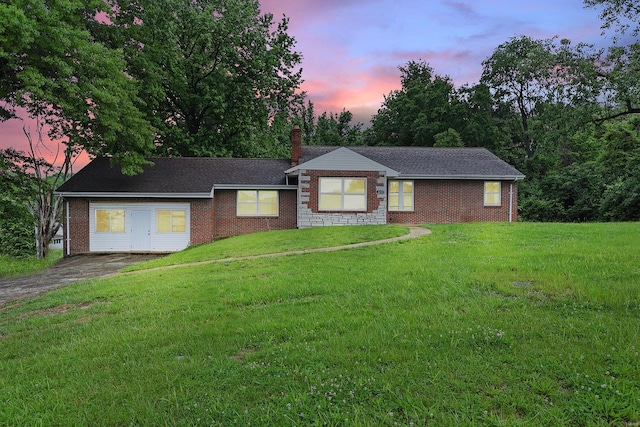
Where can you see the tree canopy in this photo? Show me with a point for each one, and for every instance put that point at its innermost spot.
(211, 73)
(621, 14)
(52, 66)
(422, 108)
(130, 78)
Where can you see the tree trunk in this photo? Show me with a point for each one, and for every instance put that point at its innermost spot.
(41, 246)
(45, 206)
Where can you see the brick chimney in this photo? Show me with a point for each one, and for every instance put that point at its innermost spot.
(296, 145)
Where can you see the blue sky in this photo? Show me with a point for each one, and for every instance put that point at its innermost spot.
(352, 48)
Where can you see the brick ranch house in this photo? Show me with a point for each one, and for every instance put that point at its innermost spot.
(179, 202)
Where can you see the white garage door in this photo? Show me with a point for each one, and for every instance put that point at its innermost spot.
(139, 227)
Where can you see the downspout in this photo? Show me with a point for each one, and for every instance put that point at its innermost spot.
(511, 202)
(67, 230)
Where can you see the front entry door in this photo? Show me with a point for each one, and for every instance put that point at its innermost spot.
(140, 230)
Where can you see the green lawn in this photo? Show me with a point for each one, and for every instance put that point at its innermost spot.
(11, 267)
(475, 324)
(275, 242)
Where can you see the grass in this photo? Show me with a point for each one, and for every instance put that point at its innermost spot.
(12, 267)
(275, 242)
(417, 332)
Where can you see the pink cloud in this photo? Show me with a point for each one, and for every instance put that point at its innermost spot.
(360, 91)
(309, 9)
(12, 135)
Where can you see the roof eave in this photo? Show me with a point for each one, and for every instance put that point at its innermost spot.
(465, 177)
(124, 195)
(254, 187)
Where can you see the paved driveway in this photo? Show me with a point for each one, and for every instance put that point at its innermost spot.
(67, 271)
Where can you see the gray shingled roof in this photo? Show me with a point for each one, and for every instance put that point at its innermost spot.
(181, 175)
(198, 176)
(429, 161)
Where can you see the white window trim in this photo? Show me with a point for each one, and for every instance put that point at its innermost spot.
(257, 205)
(342, 194)
(499, 193)
(110, 210)
(171, 210)
(401, 195)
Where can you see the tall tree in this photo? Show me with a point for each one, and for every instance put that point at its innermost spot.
(308, 118)
(485, 120)
(530, 75)
(212, 73)
(518, 72)
(336, 129)
(53, 67)
(620, 71)
(423, 107)
(32, 181)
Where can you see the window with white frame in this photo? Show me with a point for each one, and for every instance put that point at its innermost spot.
(492, 193)
(400, 195)
(171, 220)
(257, 203)
(110, 220)
(343, 194)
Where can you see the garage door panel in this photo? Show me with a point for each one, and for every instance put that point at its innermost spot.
(129, 239)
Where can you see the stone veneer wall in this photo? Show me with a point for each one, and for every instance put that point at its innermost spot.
(310, 216)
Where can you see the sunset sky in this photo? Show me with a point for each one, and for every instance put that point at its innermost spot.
(352, 48)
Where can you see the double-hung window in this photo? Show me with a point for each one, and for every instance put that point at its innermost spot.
(400, 195)
(343, 194)
(257, 203)
(110, 220)
(171, 220)
(492, 193)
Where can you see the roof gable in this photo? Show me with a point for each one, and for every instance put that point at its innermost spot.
(343, 159)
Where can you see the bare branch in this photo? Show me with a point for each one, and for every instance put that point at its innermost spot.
(627, 112)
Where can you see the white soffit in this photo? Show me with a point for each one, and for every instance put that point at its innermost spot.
(343, 159)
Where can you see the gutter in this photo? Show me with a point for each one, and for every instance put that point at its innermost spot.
(511, 202)
(254, 187)
(67, 229)
(116, 195)
(464, 177)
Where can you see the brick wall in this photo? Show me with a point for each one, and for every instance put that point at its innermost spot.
(227, 223)
(202, 221)
(76, 236)
(309, 214)
(452, 201)
(436, 201)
